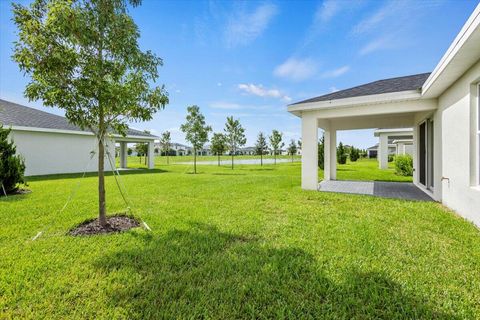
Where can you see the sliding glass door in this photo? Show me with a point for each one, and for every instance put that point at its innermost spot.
(425, 156)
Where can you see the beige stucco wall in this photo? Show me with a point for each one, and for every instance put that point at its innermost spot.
(50, 153)
(457, 113)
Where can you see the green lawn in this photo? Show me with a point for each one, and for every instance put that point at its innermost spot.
(247, 243)
(363, 169)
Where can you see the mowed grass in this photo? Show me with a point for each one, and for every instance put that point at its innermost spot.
(362, 169)
(247, 243)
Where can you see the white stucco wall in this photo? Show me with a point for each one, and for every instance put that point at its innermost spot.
(50, 153)
(457, 111)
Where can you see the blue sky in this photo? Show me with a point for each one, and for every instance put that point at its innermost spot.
(251, 59)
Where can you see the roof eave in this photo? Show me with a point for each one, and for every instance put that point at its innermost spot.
(297, 109)
(84, 133)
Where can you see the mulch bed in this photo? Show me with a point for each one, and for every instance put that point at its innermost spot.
(16, 192)
(114, 224)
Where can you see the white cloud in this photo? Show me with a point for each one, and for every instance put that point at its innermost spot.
(243, 28)
(371, 22)
(375, 45)
(336, 72)
(327, 10)
(259, 90)
(392, 25)
(333, 89)
(225, 105)
(295, 69)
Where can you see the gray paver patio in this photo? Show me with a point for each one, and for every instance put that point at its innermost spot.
(397, 190)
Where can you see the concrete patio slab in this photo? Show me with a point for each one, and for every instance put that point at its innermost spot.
(396, 190)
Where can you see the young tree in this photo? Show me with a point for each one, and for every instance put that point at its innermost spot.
(341, 154)
(196, 131)
(219, 145)
(12, 166)
(321, 152)
(292, 148)
(165, 143)
(129, 151)
(261, 146)
(83, 57)
(354, 154)
(235, 135)
(276, 143)
(142, 150)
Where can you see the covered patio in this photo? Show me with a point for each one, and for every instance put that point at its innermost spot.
(386, 104)
(139, 137)
(394, 190)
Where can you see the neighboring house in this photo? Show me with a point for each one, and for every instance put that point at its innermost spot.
(50, 144)
(403, 146)
(372, 152)
(178, 148)
(442, 107)
(246, 151)
(386, 145)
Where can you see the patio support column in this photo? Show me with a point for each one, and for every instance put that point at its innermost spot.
(309, 152)
(383, 151)
(151, 156)
(330, 155)
(123, 154)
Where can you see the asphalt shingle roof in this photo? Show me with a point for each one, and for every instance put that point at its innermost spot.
(413, 82)
(13, 114)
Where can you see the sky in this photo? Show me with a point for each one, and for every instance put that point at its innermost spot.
(250, 59)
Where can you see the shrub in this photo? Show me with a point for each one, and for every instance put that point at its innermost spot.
(12, 166)
(404, 165)
(321, 154)
(341, 154)
(354, 154)
(390, 157)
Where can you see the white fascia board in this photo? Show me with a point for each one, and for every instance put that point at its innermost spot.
(49, 130)
(355, 101)
(84, 133)
(402, 141)
(462, 53)
(394, 132)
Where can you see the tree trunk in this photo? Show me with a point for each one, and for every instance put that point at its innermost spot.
(102, 212)
(233, 153)
(167, 159)
(218, 154)
(194, 161)
(261, 158)
(274, 157)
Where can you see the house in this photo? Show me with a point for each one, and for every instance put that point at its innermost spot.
(386, 145)
(247, 151)
(178, 149)
(403, 146)
(442, 107)
(372, 152)
(49, 144)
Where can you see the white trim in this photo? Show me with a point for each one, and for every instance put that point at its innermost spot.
(85, 133)
(400, 130)
(478, 134)
(356, 101)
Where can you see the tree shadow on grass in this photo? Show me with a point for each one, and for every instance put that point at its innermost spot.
(93, 174)
(205, 273)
